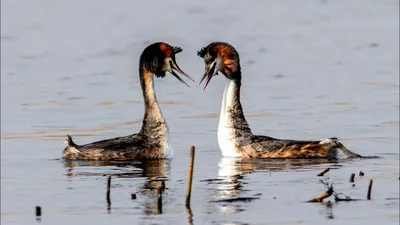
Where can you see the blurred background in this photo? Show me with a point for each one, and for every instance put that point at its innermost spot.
(311, 69)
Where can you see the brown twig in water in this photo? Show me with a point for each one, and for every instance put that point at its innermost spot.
(321, 197)
(327, 194)
(190, 176)
(352, 177)
(369, 189)
(323, 172)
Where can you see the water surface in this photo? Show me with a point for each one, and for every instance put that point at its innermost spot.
(311, 70)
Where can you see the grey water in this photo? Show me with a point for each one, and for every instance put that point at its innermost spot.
(312, 69)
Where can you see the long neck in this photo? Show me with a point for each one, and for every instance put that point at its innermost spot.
(232, 117)
(153, 120)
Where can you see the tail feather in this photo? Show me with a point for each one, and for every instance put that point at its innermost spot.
(334, 142)
(69, 142)
(71, 149)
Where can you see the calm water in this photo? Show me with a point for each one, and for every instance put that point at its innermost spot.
(312, 69)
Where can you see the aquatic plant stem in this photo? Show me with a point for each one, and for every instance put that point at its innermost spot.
(369, 189)
(108, 190)
(190, 176)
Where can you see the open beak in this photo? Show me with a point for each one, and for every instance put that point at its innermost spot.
(210, 72)
(175, 66)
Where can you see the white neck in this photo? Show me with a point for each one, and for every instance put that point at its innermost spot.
(226, 140)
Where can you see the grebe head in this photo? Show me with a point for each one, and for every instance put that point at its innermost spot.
(159, 58)
(220, 57)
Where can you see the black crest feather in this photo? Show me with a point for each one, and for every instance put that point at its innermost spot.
(177, 49)
(202, 52)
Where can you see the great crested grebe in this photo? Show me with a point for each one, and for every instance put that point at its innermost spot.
(235, 138)
(152, 141)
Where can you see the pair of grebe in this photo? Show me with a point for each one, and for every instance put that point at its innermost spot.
(234, 134)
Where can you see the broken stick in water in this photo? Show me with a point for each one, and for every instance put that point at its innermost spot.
(321, 197)
(38, 213)
(108, 191)
(190, 176)
(323, 172)
(352, 177)
(369, 189)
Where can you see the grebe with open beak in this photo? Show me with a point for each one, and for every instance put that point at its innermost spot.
(152, 141)
(235, 137)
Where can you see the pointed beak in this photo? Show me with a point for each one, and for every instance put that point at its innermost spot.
(175, 66)
(210, 72)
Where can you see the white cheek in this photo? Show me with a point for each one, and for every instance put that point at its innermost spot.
(218, 67)
(167, 65)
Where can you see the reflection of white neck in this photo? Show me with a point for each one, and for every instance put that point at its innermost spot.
(228, 171)
(228, 167)
(225, 138)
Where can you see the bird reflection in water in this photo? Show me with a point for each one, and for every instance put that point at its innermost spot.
(156, 171)
(327, 210)
(231, 182)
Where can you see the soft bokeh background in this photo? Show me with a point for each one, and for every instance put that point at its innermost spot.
(311, 69)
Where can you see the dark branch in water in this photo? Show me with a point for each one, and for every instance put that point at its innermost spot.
(323, 172)
(345, 199)
(108, 193)
(330, 192)
(369, 189)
